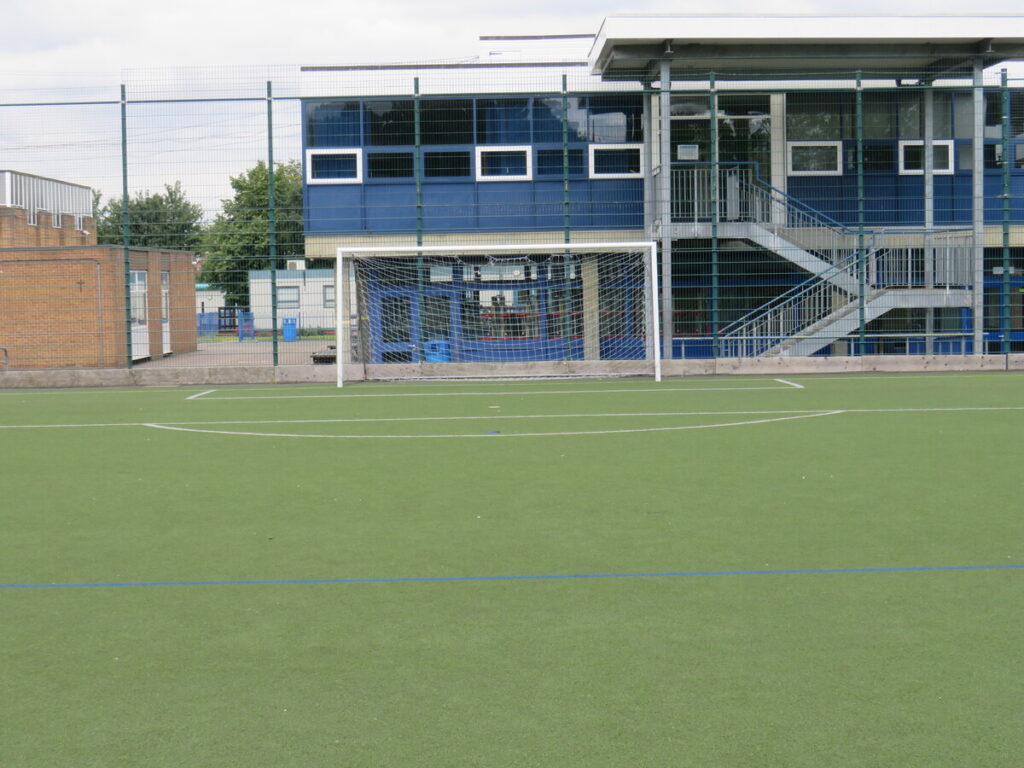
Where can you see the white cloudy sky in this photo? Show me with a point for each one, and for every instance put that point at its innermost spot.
(58, 50)
(60, 39)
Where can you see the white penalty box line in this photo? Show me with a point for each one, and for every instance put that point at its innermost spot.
(203, 395)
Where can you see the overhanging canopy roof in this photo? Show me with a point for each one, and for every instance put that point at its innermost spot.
(632, 47)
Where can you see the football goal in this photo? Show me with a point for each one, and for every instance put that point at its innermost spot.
(503, 311)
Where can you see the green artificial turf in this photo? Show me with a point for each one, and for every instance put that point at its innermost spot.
(323, 599)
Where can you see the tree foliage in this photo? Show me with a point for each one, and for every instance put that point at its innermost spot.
(162, 220)
(238, 240)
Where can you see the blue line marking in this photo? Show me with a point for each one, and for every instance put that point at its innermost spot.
(548, 577)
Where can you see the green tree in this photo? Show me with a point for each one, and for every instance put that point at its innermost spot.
(162, 220)
(238, 240)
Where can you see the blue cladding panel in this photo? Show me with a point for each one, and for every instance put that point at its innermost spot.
(449, 207)
(390, 208)
(334, 208)
(506, 206)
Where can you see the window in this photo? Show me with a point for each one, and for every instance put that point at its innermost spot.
(502, 121)
(547, 119)
(390, 123)
(616, 161)
(446, 164)
(549, 162)
(328, 294)
(288, 297)
(165, 296)
(446, 121)
(389, 165)
(911, 157)
(334, 166)
(815, 158)
(615, 119)
(139, 297)
(504, 164)
(333, 124)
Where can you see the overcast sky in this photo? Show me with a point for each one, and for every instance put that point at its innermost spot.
(58, 50)
(59, 41)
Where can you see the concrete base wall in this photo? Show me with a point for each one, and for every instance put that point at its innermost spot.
(296, 374)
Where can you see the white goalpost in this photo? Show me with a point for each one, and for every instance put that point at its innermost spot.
(499, 310)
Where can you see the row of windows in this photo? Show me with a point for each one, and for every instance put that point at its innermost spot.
(522, 120)
(826, 158)
(897, 115)
(507, 163)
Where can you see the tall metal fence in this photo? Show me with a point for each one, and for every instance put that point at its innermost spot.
(189, 218)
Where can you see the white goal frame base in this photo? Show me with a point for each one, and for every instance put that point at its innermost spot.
(651, 364)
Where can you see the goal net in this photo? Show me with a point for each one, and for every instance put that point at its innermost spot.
(505, 311)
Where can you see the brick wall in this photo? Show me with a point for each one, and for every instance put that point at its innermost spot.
(64, 307)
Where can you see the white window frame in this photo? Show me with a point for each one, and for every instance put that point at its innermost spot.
(594, 148)
(947, 171)
(355, 151)
(524, 148)
(331, 303)
(836, 171)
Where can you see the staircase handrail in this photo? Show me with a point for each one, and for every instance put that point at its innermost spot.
(784, 298)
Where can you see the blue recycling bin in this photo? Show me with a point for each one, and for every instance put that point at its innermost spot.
(437, 351)
(289, 328)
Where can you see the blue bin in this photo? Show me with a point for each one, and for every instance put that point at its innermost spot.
(289, 328)
(437, 351)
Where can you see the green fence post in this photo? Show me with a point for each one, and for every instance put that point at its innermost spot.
(271, 223)
(125, 228)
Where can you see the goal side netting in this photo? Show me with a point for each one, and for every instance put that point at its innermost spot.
(503, 311)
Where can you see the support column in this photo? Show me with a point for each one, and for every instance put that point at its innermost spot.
(1004, 296)
(861, 238)
(125, 231)
(591, 313)
(929, 211)
(715, 212)
(665, 206)
(978, 213)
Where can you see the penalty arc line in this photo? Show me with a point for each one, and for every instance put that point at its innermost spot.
(493, 435)
(538, 577)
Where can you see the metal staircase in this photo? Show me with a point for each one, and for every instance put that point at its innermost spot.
(854, 277)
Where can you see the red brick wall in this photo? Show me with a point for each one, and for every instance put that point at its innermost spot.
(64, 307)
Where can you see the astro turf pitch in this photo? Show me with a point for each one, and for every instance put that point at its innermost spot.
(817, 571)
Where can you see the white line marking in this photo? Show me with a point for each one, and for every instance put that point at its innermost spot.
(500, 394)
(791, 383)
(197, 395)
(796, 412)
(515, 434)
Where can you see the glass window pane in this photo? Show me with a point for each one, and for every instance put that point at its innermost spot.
(389, 165)
(810, 158)
(502, 121)
(879, 116)
(446, 121)
(333, 124)
(396, 319)
(547, 119)
(439, 164)
(436, 318)
(389, 123)
(340, 166)
(811, 116)
(549, 162)
(328, 296)
(503, 163)
(616, 161)
(615, 119)
(288, 297)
